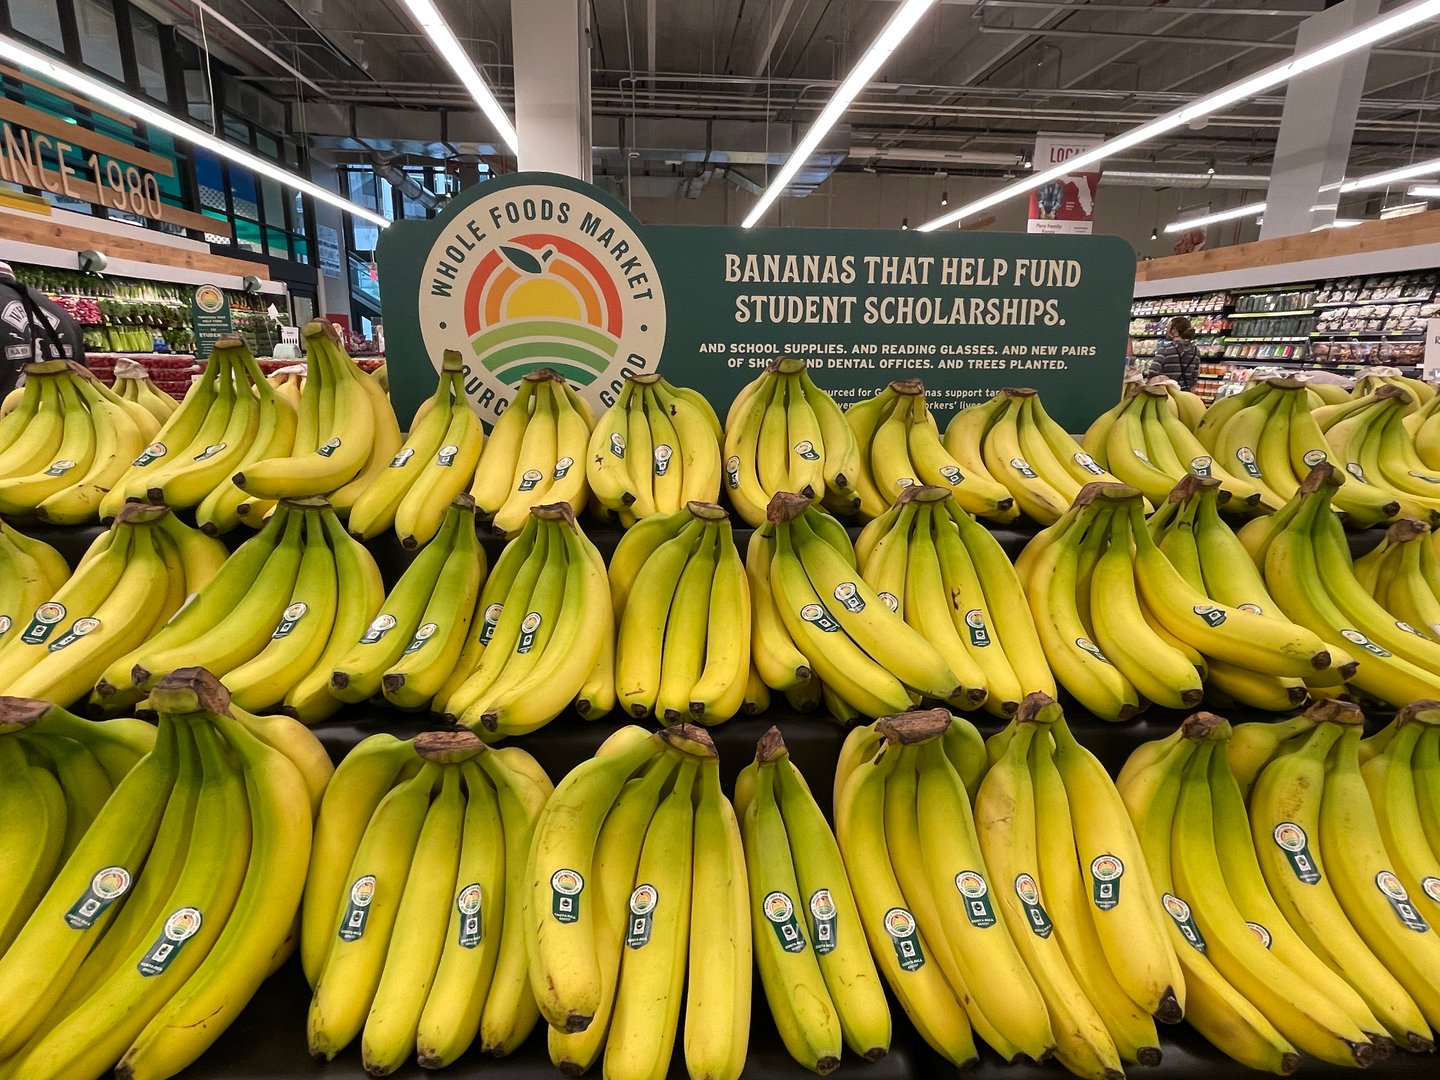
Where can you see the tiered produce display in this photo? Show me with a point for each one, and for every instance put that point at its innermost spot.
(499, 854)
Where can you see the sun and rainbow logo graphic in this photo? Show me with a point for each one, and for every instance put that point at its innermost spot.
(543, 301)
(541, 276)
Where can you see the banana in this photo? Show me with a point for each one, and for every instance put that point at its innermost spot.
(640, 637)
(356, 675)
(902, 948)
(374, 509)
(652, 972)
(361, 593)
(419, 937)
(667, 460)
(23, 489)
(413, 678)
(563, 922)
(219, 512)
(189, 480)
(299, 636)
(1005, 461)
(683, 653)
(442, 477)
(365, 925)
(1158, 671)
(385, 443)
(929, 609)
(362, 780)
(83, 788)
(785, 948)
(450, 1017)
(534, 463)
(840, 450)
(719, 692)
(34, 850)
(1130, 1026)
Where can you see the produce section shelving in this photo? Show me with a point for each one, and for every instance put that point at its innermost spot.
(268, 1040)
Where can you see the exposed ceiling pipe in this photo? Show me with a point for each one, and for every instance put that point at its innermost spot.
(263, 49)
(1135, 9)
(1176, 39)
(777, 26)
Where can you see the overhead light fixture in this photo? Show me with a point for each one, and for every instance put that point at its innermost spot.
(944, 198)
(1425, 191)
(894, 32)
(1155, 234)
(1146, 174)
(1393, 176)
(427, 16)
(1370, 33)
(1210, 168)
(1187, 224)
(904, 224)
(1027, 164)
(78, 82)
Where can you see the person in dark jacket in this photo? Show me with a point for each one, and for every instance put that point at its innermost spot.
(32, 327)
(1177, 358)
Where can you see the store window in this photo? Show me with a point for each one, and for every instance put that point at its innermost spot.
(149, 55)
(99, 38)
(38, 20)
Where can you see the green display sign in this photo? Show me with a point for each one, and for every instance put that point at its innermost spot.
(540, 270)
(210, 318)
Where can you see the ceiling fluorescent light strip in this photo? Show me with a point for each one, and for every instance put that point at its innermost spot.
(894, 32)
(427, 16)
(1377, 30)
(1425, 191)
(80, 83)
(1219, 215)
(1426, 169)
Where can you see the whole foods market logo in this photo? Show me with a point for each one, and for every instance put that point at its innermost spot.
(537, 276)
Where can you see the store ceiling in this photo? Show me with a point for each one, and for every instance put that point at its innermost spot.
(696, 86)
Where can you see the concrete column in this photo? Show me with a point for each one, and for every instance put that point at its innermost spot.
(1316, 126)
(552, 85)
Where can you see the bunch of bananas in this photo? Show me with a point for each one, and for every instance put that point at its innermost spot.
(536, 453)
(900, 446)
(1295, 925)
(129, 583)
(1276, 430)
(1013, 440)
(31, 572)
(1402, 573)
(178, 901)
(541, 637)
(1122, 627)
(656, 449)
(289, 381)
(1145, 444)
(1204, 550)
(230, 417)
(345, 435)
(416, 636)
(436, 463)
(1190, 406)
(682, 617)
(413, 928)
(809, 941)
(1370, 380)
(948, 578)
(783, 433)
(1308, 570)
(59, 770)
(270, 623)
(1368, 439)
(133, 383)
(638, 899)
(815, 618)
(1052, 824)
(1424, 431)
(65, 442)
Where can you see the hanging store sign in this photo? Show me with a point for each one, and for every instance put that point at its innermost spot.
(540, 270)
(1066, 206)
